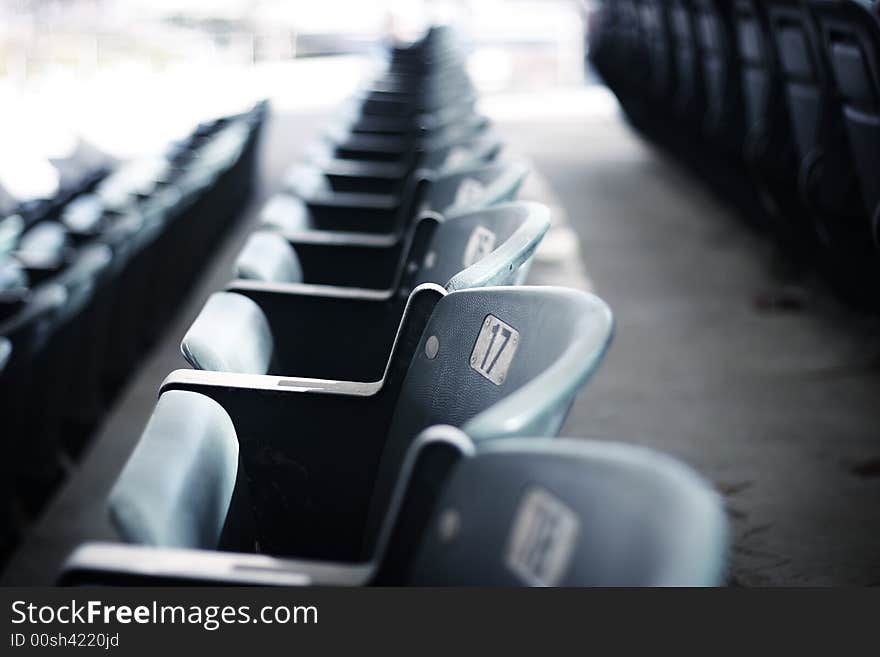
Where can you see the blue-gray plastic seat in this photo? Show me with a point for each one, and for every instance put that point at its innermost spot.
(540, 512)
(321, 459)
(435, 246)
(850, 39)
(348, 118)
(498, 362)
(522, 512)
(60, 371)
(28, 328)
(281, 327)
(230, 334)
(185, 505)
(322, 176)
(267, 256)
(83, 215)
(391, 118)
(11, 228)
(5, 353)
(43, 247)
(368, 218)
(13, 285)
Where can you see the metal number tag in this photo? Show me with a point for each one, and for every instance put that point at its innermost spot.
(456, 156)
(494, 350)
(542, 540)
(480, 244)
(469, 190)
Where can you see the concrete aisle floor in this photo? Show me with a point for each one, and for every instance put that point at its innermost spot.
(778, 409)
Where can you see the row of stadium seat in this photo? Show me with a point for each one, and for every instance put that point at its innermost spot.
(80, 178)
(777, 101)
(364, 394)
(86, 284)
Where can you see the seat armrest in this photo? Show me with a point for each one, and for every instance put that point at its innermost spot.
(119, 564)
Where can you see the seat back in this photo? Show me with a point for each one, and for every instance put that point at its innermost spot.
(492, 246)
(768, 133)
(464, 152)
(850, 35)
(27, 327)
(82, 216)
(5, 353)
(690, 92)
(497, 362)
(655, 28)
(725, 114)
(267, 256)
(177, 486)
(11, 228)
(44, 246)
(13, 280)
(757, 59)
(82, 277)
(230, 334)
(826, 173)
(33, 318)
(541, 512)
(472, 188)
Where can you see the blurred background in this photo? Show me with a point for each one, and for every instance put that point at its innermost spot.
(86, 81)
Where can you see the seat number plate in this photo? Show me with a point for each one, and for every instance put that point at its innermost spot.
(542, 540)
(493, 353)
(480, 244)
(469, 190)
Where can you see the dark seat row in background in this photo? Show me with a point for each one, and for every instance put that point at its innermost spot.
(88, 279)
(777, 102)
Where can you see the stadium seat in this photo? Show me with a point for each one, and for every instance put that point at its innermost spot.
(282, 322)
(349, 118)
(5, 353)
(717, 52)
(690, 97)
(83, 216)
(347, 218)
(523, 512)
(43, 249)
(826, 176)
(11, 228)
(13, 286)
(323, 173)
(22, 385)
(539, 512)
(341, 143)
(312, 490)
(655, 27)
(850, 35)
(435, 356)
(58, 373)
(82, 277)
(186, 506)
(161, 240)
(769, 141)
(267, 256)
(9, 524)
(381, 264)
